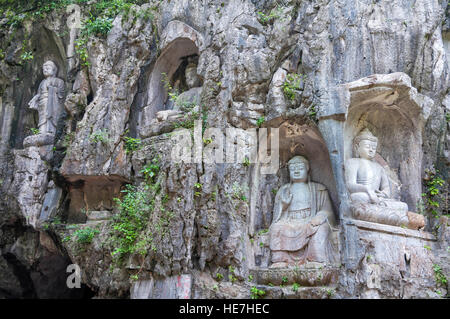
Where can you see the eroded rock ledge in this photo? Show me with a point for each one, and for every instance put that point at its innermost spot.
(318, 73)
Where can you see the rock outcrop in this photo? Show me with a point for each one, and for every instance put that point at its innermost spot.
(108, 195)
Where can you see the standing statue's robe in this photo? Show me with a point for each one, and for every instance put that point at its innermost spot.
(293, 238)
(49, 104)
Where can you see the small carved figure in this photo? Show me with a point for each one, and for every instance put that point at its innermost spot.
(49, 100)
(302, 220)
(187, 100)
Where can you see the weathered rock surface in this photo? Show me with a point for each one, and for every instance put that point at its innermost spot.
(384, 64)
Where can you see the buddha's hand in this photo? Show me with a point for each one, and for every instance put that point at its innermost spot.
(373, 197)
(381, 194)
(286, 197)
(319, 219)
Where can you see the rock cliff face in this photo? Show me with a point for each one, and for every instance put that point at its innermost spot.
(318, 71)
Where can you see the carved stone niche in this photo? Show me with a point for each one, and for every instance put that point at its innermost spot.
(392, 110)
(180, 46)
(92, 197)
(305, 266)
(395, 113)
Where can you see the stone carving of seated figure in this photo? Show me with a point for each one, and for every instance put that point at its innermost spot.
(186, 101)
(302, 219)
(49, 103)
(369, 187)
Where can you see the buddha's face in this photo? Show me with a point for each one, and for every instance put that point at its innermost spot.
(191, 77)
(367, 149)
(298, 171)
(48, 69)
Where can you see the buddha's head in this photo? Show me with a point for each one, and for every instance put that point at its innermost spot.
(298, 169)
(49, 69)
(365, 145)
(192, 78)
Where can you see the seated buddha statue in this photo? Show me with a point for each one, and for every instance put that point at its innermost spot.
(368, 185)
(302, 220)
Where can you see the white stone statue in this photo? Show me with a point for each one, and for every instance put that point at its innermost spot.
(49, 101)
(187, 99)
(302, 220)
(369, 188)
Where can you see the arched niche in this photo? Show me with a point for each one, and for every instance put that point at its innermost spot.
(178, 40)
(44, 45)
(395, 113)
(297, 136)
(305, 139)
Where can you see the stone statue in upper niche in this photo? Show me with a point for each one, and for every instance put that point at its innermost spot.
(49, 101)
(369, 188)
(188, 100)
(302, 220)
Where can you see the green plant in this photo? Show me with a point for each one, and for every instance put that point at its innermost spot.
(292, 85)
(246, 162)
(188, 121)
(250, 277)
(81, 50)
(85, 235)
(312, 114)
(238, 191)
(295, 286)
(231, 278)
(427, 247)
(134, 277)
(173, 94)
(284, 280)
(441, 279)
(330, 292)
(263, 231)
(260, 121)
(128, 226)
(151, 170)
(256, 293)
(275, 13)
(26, 56)
(207, 141)
(34, 131)
(433, 193)
(99, 26)
(100, 136)
(131, 144)
(198, 187)
(219, 276)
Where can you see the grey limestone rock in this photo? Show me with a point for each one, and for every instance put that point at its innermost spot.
(380, 64)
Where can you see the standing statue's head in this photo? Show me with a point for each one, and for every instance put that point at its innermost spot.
(365, 145)
(49, 68)
(192, 78)
(298, 169)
